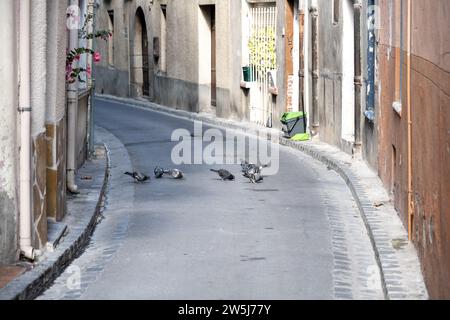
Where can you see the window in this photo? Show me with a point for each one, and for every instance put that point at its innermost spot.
(111, 41)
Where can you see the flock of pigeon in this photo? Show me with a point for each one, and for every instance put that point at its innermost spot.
(250, 171)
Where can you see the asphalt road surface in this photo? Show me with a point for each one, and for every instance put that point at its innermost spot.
(297, 235)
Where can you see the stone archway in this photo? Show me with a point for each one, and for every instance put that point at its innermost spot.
(140, 56)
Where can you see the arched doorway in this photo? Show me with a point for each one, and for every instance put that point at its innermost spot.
(141, 65)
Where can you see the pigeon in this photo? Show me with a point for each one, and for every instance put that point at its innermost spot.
(224, 174)
(247, 167)
(138, 177)
(255, 177)
(159, 172)
(174, 173)
(254, 174)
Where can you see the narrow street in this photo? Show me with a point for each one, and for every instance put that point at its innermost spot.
(224, 150)
(297, 235)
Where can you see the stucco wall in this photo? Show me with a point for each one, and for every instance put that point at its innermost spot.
(38, 123)
(8, 127)
(38, 65)
(430, 81)
(55, 110)
(184, 83)
(114, 79)
(430, 91)
(56, 60)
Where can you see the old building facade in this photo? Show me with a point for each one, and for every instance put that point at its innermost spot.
(413, 113)
(372, 76)
(36, 142)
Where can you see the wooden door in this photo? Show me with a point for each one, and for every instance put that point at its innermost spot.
(145, 61)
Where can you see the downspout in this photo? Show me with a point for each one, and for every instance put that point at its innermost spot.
(357, 5)
(25, 129)
(129, 48)
(315, 68)
(301, 72)
(408, 88)
(72, 106)
(91, 81)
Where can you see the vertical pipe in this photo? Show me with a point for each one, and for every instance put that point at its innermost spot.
(72, 106)
(357, 5)
(25, 129)
(91, 81)
(315, 68)
(301, 69)
(408, 88)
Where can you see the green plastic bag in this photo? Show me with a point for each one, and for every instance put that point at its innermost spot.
(301, 137)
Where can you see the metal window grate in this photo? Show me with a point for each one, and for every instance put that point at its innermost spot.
(262, 49)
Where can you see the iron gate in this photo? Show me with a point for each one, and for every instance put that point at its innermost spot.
(262, 49)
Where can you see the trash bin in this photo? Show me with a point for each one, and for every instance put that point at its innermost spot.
(248, 74)
(294, 125)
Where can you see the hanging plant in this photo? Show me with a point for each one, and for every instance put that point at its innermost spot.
(74, 73)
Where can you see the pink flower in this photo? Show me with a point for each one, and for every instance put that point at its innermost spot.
(89, 70)
(69, 69)
(77, 57)
(97, 57)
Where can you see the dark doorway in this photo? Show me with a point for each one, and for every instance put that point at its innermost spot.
(141, 55)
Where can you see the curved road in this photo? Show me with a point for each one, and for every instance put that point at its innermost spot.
(297, 235)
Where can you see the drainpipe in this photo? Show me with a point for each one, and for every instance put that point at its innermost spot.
(91, 81)
(301, 72)
(315, 68)
(408, 88)
(25, 129)
(357, 5)
(72, 106)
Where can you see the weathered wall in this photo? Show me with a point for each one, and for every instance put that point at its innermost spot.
(8, 137)
(38, 125)
(179, 85)
(430, 91)
(114, 78)
(55, 110)
(182, 80)
(430, 81)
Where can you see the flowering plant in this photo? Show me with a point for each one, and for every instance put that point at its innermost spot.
(74, 73)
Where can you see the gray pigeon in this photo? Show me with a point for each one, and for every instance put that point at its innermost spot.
(138, 177)
(252, 171)
(247, 167)
(254, 174)
(159, 172)
(174, 173)
(224, 174)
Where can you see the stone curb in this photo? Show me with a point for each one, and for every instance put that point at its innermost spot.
(32, 283)
(389, 265)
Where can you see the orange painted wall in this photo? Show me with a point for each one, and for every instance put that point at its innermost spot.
(430, 111)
